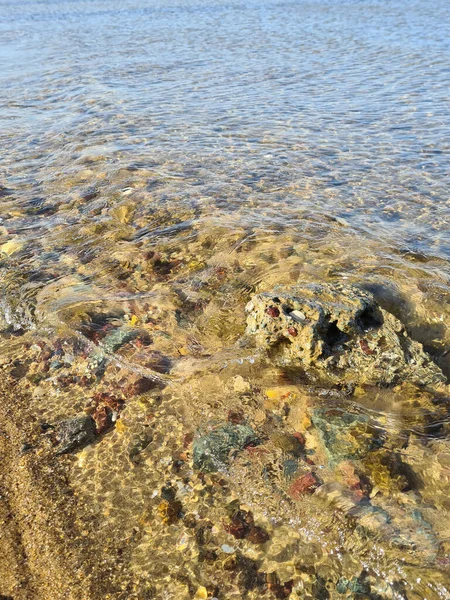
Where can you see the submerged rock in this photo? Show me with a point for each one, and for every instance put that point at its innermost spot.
(74, 434)
(306, 484)
(242, 525)
(397, 525)
(346, 435)
(389, 474)
(119, 337)
(211, 451)
(339, 331)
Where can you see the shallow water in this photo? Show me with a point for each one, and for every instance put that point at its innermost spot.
(161, 162)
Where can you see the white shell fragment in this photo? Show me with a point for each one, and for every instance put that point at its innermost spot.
(297, 315)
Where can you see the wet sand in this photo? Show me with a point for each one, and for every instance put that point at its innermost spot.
(47, 548)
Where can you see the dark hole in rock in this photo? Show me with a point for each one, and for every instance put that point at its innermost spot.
(286, 309)
(276, 300)
(278, 348)
(333, 335)
(370, 318)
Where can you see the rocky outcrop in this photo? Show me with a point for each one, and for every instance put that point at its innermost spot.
(339, 331)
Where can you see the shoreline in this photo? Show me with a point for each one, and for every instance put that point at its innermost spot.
(43, 551)
(221, 472)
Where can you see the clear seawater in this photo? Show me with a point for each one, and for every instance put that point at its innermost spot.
(160, 162)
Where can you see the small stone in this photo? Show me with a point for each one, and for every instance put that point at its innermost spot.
(297, 316)
(359, 586)
(290, 468)
(306, 422)
(306, 484)
(288, 443)
(201, 593)
(103, 419)
(137, 445)
(365, 347)
(211, 452)
(46, 426)
(240, 385)
(183, 542)
(241, 522)
(56, 364)
(11, 246)
(26, 447)
(387, 473)
(118, 338)
(273, 311)
(342, 585)
(168, 492)
(141, 385)
(235, 417)
(257, 535)
(74, 434)
(169, 512)
(346, 435)
(190, 521)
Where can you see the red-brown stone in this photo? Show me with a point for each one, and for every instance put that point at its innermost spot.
(306, 484)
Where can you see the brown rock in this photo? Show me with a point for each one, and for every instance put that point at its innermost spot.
(306, 484)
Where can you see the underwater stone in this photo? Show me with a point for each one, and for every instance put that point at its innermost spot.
(388, 473)
(211, 451)
(342, 585)
(290, 444)
(306, 484)
(119, 337)
(290, 468)
(74, 434)
(340, 332)
(346, 435)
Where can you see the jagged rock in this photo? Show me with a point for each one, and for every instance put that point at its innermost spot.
(211, 451)
(340, 332)
(74, 434)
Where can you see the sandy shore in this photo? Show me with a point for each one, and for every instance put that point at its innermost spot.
(46, 547)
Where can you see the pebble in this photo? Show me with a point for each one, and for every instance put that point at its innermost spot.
(74, 434)
(297, 316)
(211, 452)
(306, 484)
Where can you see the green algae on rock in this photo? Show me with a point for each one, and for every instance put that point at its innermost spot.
(346, 435)
(339, 331)
(211, 451)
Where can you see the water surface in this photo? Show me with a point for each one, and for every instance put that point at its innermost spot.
(160, 163)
